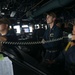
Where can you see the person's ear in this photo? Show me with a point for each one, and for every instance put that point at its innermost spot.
(6, 25)
(54, 19)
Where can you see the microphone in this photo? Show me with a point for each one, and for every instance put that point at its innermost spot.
(70, 36)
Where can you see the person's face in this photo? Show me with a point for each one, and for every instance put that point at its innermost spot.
(3, 27)
(73, 31)
(49, 19)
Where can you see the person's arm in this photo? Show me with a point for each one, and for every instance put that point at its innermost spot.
(11, 36)
(45, 38)
(3, 38)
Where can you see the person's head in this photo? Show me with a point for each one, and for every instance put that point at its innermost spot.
(73, 31)
(50, 18)
(58, 24)
(4, 24)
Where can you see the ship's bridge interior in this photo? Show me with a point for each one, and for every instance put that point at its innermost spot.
(28, 20)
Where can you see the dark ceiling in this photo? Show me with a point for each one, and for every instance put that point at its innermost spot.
(23, 9)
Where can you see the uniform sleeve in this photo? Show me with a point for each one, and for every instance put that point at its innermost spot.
(11, 36)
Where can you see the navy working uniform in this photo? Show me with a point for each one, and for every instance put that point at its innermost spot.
(11, 37)
(69, 58)
(52, 48)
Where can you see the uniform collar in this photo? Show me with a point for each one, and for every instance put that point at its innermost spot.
(52, 27)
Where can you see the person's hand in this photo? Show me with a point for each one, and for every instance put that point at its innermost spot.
(43, 41)
(2, 38)
(49, 61)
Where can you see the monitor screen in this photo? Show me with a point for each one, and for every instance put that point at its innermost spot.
(26, 30)
(17, 28)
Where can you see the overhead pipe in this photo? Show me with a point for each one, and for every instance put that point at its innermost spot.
(51, 5)
(32, 8)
